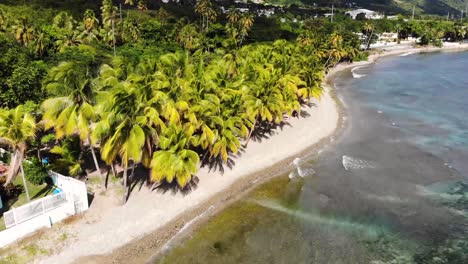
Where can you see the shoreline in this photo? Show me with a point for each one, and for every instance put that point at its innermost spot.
(143, 245)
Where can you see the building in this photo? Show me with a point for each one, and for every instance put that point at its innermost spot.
(369, 14)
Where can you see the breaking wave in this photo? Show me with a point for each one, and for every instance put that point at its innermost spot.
(355, 75)
(351, 163)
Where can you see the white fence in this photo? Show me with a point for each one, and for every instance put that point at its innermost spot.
(44, 212)
(33, 209)
(74, 187)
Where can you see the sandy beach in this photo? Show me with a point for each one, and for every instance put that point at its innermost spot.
(102, 230)
(112, 233)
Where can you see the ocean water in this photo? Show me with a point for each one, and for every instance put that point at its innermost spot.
(392, 189)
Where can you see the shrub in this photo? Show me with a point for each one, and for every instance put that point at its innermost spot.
(9, 192)
(35, 173)
(4, 157)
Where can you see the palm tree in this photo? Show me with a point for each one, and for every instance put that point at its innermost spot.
(41, 43)
(262, 100)
(68, 39)
(175, 159)
(245, 25)
(369, 29)
(65, 21)
(126, 128)
(90, 20)
(108, 13)
(4, 20)
(233, 15)
(142, 6)
(71, 112)
(17, 127)
(207, 11)
(189, 37)
(335, 50)
(23, 31)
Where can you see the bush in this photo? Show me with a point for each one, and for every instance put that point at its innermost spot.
(9, 192)
(4, 157)
(35, 173)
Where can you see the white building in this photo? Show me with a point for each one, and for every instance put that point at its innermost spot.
(369, 14)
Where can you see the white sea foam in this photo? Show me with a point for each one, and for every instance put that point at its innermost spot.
(408, 53)
(355, 75)
(300, 170)
(351, 163)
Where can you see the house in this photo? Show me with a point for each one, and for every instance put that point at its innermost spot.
(369, 14)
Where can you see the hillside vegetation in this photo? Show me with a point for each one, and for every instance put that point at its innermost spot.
(439, 7)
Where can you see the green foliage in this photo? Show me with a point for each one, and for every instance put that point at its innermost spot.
(48, 139)
(5, 157)
(10, 191)
(20, 75)
(35, 172)
(69, 157)
(183, 87)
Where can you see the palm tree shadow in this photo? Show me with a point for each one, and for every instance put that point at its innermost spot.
(45, 191)
(217, 163)
(140, 177)
(174, 188)
(265, 130)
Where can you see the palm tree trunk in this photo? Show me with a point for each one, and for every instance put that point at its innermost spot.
(369, 40)
(96, 164)
(125, 184)
(39, 154)
(14, 166)
(24, 182)
(113, 169)
(250, 133)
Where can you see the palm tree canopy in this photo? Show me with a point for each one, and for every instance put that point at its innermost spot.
(16, 127)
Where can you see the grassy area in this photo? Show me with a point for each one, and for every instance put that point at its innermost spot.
(35, 192)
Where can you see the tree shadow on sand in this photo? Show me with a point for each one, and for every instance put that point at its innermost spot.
(217, 164)
(265, 130)
(140, 176)
(164, 186)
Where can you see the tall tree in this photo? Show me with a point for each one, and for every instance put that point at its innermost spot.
(17, 127)
(23, 31)
(71, 112)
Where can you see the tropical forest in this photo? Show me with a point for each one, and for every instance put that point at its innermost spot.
(114, 92)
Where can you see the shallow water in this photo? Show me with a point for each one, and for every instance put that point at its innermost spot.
(390, 190)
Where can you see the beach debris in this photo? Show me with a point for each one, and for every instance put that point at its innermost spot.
(350, 163)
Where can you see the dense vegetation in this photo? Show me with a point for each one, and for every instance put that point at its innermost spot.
(440, 7)
(140, 86)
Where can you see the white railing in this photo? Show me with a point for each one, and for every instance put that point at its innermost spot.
(44, 212)
(33, 209)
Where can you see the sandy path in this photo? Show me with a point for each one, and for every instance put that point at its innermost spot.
(103, 230)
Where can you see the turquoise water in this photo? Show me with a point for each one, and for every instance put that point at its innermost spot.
(391, 190)
(426, 95)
